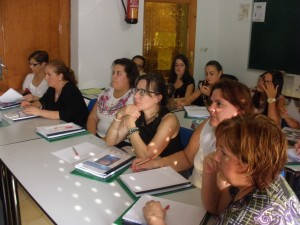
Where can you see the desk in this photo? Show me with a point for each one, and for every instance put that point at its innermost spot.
(187, 122)
(68, 199)
(22, 130)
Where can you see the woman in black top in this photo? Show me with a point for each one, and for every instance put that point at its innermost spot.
(62, 100)
(149, 126)
(181, 83)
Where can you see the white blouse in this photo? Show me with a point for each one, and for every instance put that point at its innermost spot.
(39, 90)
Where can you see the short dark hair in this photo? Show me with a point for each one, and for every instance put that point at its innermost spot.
(40, 56)
(130, 69)
(158, 84)
(60, 67)
(141, 58)
(186, 76)
(214, 63)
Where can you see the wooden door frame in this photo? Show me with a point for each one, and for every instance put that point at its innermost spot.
(192, 20)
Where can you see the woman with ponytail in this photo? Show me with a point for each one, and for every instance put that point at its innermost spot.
(62, 100)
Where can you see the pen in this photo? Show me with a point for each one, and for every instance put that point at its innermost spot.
(74, 150)
(146, 160)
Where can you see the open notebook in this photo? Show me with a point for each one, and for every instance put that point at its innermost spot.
(194, 111)
(154, 181)
(178, 213)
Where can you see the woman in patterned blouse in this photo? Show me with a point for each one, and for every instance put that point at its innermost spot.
(124, 74)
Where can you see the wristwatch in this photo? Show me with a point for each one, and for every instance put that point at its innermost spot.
(271, 100)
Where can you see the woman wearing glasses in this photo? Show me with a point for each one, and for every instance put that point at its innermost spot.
(35, 85)
(124, 73)
(149, 126)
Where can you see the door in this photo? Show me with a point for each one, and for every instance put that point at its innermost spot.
(29, 25)
(169, 29)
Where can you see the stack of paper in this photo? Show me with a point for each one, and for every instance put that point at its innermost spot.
(155, 181)
(292, 135)
(60, 130)
(18, 116)
(106, 163)
(178, 213)
(10, 98)
(194, 111)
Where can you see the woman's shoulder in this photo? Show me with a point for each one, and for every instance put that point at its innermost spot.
(188, 79)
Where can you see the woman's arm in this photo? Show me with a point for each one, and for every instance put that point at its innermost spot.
(92, 120)
(41, 112)
(189, 90)
(180, 161)
(273, 111)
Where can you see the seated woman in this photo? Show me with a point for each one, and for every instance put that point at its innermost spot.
(241, 180)
(149, 126)
(181, 83)
(228, 99)
(213, 73)
(124, 74)
(140, 63)
(63, 100)
(267, 98)
(35, 85)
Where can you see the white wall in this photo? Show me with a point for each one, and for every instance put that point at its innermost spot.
(100, 35)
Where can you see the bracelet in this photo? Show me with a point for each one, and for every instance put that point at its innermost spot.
(132, 130)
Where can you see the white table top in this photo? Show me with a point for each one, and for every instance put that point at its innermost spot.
(24, 130)
(66, 198)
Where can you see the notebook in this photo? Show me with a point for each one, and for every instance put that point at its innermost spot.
(178, 213)
(194, 111)
(59, 130)
(108, 160)
(155, 181)
(11, 96)
(292, 135)
(18, 116)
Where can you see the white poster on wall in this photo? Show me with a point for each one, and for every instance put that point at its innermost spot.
(259, 12)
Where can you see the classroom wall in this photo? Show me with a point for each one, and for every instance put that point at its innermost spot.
(99, 35)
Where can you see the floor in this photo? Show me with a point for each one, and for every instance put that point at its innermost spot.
(31, 214)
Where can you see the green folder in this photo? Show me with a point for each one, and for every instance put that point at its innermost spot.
(93, 177)
(65, 136)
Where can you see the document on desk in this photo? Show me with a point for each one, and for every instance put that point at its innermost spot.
(194, 111)
(11, 96)
(292, 155)
(292, 135)
(155, 181)
(177, 213)
(18, 115)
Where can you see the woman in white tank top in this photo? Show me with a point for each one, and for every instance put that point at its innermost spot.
(228, 99)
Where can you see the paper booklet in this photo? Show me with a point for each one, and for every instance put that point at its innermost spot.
(102, 161)
(11, 96)
(154, 181)
(196, 111)
(8, 105)
(59, 130)
(18, 115)
(178, 213)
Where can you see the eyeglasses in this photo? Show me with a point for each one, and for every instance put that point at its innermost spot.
(34, 64)
(143, 92)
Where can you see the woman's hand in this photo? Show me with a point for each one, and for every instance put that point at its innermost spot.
(25, 104)
(129, 121)
(210, 165)
(204, 89)
(129, 110)
(222, 182)
(28, 97)
(31, 110)
(154, 213)
(297, 147)
(270, 89)
(140, 164)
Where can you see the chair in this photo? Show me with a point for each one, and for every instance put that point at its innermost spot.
(91, 104)
(185, 135)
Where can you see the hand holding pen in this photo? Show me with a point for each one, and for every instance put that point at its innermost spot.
(153, 210)
(140, 164)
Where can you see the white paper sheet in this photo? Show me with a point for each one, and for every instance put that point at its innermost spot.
(259, 11)
(11, 96)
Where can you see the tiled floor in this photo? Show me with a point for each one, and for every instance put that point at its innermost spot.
(31, 214)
